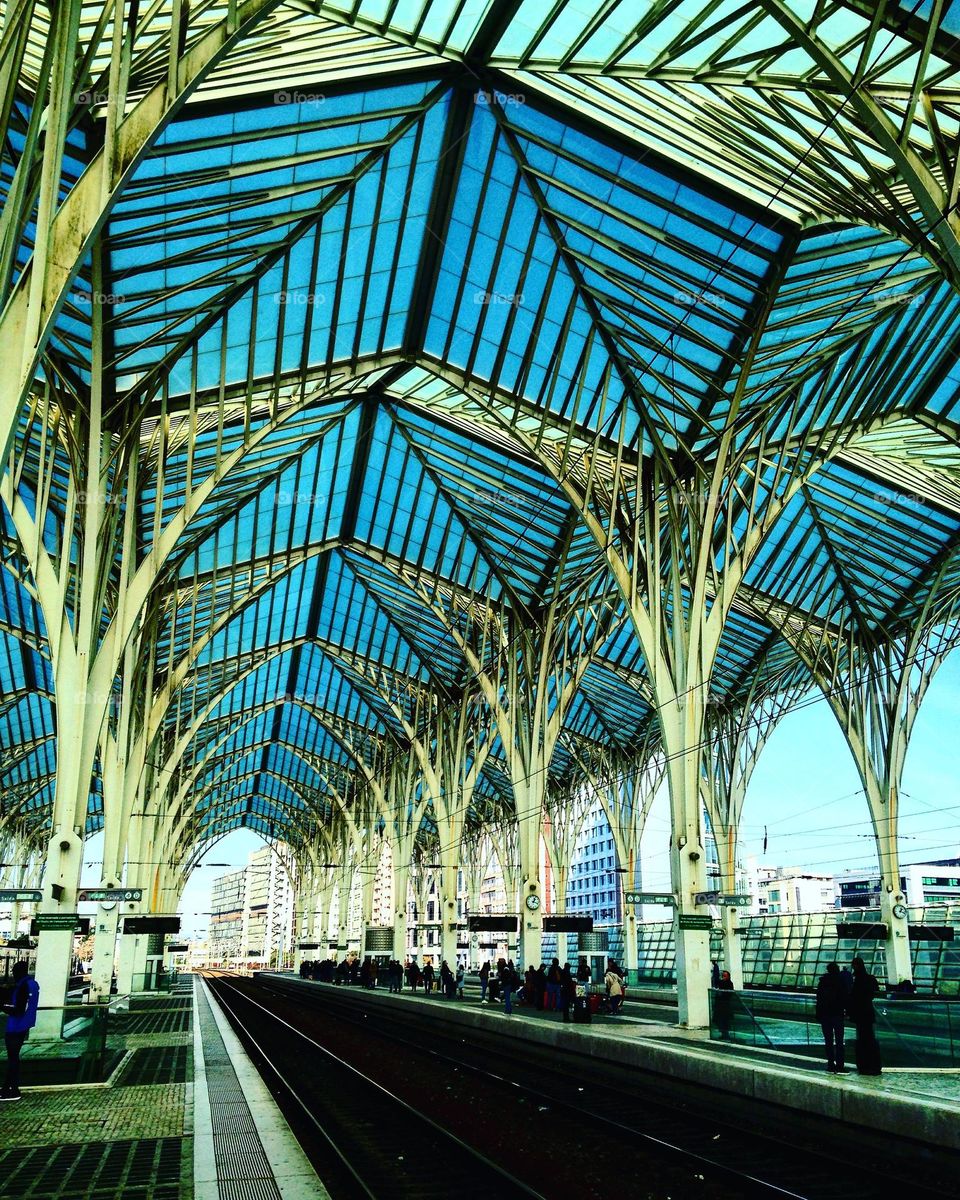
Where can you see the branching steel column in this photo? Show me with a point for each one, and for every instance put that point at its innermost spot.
(406, 804)
(505, 838)
(466, 740)
(28, 317)
(74, 633)
(450, 744)
(324, 907)
(475, 853)
(529, 664)
(344, 877)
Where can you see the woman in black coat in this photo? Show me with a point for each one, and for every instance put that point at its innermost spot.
(831, 1004)
(860, 1010)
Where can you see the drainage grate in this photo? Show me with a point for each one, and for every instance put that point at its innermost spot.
(136, 1170)
(242, 1167)
(155, 1064)
(164, 1021)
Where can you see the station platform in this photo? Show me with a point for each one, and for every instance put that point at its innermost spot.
(921, 1103)
(183, 1114)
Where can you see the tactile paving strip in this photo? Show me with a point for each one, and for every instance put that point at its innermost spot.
(155, 1064)
(243, 1172)
(134, 1170)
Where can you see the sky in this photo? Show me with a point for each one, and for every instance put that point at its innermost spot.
(805, 791)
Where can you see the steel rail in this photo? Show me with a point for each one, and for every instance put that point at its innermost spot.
(757, 1185)
(515, 1186)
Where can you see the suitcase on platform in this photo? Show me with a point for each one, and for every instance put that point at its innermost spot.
(594, 1002)
(581, 1011)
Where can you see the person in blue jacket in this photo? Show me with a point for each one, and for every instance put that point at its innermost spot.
(21, 1018)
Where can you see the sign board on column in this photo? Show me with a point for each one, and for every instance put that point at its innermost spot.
(151, 925)
(109, 895)
(496, 923)
(863, 931)
(568, 924)
(694, 921)
(57, 923)
(733, 900)
(12, 896)
(649, 898)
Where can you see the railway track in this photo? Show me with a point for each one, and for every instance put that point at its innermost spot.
(364, 1140)
(629, 1109)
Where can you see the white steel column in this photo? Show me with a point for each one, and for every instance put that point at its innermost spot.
(55, 946)
(104, 947)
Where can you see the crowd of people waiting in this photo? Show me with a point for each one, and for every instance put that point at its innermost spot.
(552, 988)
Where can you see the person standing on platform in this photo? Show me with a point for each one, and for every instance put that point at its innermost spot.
(568, 993)
(614, 991)
(484, 977)
(541, 988)
(428, 976)
(723, 1005)
(831, 1005)
(860, 1009)
(509, 982)
(21, 1018)
(714, 973)
(552, 987)
(459, 980)
(528, 991)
